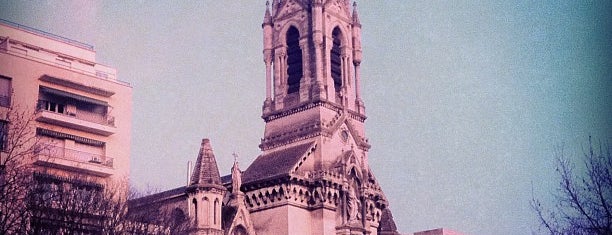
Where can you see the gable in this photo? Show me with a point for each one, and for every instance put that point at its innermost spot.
(288, 8)
(340, 7)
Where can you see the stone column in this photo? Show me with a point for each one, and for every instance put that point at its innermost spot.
(317, 34)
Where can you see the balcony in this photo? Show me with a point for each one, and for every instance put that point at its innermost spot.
(74, 160)
(75, 118)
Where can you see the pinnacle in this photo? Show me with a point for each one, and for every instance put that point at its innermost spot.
(205, 170)
(355, 15)
(267, 17)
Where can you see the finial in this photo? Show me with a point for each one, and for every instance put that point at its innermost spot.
(235, 157)
(267, 4)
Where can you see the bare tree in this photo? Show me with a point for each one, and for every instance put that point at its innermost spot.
(584, 196)
(18, 144)
(71, 206)
(155, 218)
(33, 201)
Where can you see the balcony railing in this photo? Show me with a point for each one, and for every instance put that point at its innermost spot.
(77, 156)
(48, 106)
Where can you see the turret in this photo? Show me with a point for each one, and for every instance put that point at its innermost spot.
(206, 193)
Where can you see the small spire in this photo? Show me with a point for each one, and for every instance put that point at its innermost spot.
(267, 17)
(355, 16)
(205, 170)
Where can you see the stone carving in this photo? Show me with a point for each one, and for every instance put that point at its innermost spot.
(353, 204)
(236, 175)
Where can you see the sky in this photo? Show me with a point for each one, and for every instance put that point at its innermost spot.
(466, 100)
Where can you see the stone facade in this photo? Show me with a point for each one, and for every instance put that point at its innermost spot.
(313, 175)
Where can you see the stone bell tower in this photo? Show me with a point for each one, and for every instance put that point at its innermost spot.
(313, 176)
(312, 53)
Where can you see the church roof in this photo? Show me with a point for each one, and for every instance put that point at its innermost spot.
(387, 224)
(275, 164)
(205, 170)
(146, 200)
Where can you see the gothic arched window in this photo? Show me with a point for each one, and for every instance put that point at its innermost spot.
(239, 231)
(294, 60)
(215, 211)
(206, 212)
(195, 210)
(336, 59)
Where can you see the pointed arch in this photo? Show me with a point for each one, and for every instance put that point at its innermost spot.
(194, 202)
(206, 212)
(336, 58)
(216, 211)
(239, 230)
(294, 60)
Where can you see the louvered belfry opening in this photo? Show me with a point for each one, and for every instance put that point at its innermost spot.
(336, 60)
(294, 60)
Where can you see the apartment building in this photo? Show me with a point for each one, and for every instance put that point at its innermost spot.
(82, 111)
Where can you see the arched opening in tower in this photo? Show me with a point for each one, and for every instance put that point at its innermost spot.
(336, 59)
(294, 60)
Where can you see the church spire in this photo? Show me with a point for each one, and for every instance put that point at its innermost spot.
(206, 170)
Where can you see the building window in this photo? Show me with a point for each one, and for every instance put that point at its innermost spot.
(336, 59)
(5, 91)
(3, 135)
(195, 210)
(294, 60)
(215, 211)
(73, 105)
(206, 212)
(239, 231)
(71, 147)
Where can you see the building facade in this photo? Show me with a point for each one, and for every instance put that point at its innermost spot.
(313, 175)
(81, 112)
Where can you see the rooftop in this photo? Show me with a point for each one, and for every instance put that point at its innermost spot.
(37, 45)
(47, 34)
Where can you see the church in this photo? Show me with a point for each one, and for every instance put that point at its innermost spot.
(312, 176)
